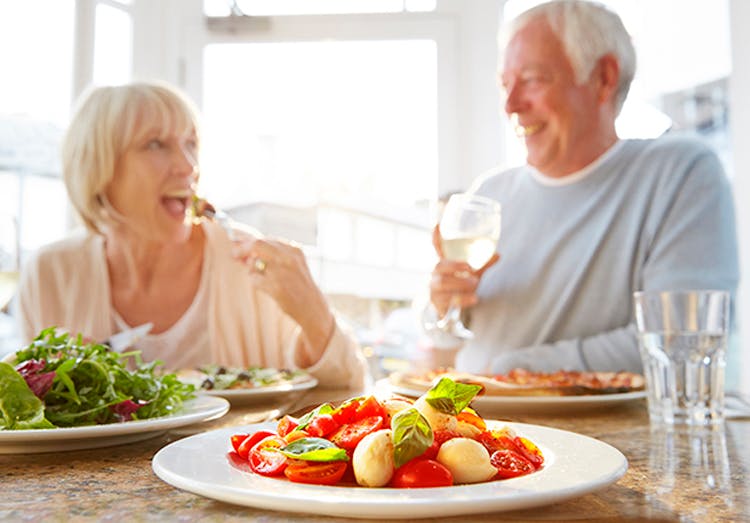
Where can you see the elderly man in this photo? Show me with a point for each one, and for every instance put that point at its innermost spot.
(590, 218)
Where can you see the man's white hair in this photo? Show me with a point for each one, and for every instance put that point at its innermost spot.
(588, 31)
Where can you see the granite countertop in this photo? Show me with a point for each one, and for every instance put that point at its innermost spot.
(672, 476)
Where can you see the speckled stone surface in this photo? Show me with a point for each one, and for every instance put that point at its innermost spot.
(672, 476)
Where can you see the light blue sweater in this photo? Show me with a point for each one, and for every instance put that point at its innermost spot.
(648, 214)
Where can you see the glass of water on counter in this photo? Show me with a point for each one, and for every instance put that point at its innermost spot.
(683, 341)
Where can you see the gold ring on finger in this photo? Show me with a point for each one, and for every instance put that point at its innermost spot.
(259, 265)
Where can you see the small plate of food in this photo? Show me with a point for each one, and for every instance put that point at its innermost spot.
(247, 385)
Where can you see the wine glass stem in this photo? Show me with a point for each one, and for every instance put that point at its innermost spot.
(453, 314)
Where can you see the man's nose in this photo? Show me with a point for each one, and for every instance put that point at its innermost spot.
(513, 99)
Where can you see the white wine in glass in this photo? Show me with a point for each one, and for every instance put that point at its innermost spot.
(9, 252)
(469, 231)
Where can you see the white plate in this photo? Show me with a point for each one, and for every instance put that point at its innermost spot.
(203, 408)
(574, 465)
(537, 404)
(273, 393)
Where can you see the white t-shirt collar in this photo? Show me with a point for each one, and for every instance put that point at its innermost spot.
(577, 175)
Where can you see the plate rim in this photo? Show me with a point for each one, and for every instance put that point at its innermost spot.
(258, 392)
(419, 503)
(200, 408)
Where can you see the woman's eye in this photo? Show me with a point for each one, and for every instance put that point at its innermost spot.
(154, 145)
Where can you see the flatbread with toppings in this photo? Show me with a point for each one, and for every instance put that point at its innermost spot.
(522, 382)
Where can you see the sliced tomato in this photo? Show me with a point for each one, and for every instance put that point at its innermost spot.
(286, 425)
(243, 449)
(345, 412)
(510, 464)
(295, 435)
(265, 458)
(497, 440)
(236, 439)
(319, 473)
(369, 408)
(322, 425)
(530, 451)
(348, 436)
(472, 418)
(422, 473)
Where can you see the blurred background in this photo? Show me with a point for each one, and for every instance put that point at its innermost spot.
(337, 123)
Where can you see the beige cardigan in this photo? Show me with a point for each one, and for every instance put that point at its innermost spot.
(66, 284)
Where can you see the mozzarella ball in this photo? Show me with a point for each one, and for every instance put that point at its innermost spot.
(437, 420)
(372, 461)
(395, 405)
(467, 459)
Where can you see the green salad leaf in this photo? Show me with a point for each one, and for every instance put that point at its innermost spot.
(93, 385)
(450, 397)
(19, 408)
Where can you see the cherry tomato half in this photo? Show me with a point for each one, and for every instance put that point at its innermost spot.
(286, 425)
(248, 442)
(530, 451)
(322, 425)
(345, 412)
(370, 407)
(422, 473)
(510, 464)
(348, 436)
(265, 458)
(319, 473)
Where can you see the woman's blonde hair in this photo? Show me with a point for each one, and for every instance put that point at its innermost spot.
(106, 121)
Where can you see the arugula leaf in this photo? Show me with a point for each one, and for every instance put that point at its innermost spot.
(19, 406)
(450, 397)
(314, 449)
(412, 435)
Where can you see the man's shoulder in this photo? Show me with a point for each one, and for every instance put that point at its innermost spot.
(670, 145)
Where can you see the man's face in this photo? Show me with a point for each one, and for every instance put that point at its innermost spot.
(560, 121)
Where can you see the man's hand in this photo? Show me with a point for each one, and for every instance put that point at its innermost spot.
(454, 281)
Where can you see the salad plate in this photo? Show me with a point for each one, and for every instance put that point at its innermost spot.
(202, 408)
(261, 394)
(537, 404)
(574, 465)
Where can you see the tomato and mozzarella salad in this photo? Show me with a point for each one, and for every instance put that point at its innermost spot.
(435, 441)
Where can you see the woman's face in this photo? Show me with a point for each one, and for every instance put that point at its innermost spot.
(154, 183)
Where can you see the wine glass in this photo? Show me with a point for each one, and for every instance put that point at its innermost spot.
(9, 253)
(469, 232)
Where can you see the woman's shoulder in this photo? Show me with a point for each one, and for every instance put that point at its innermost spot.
(76, 249)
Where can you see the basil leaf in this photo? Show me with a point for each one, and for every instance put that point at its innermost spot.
(314, 449)
(450, 397)
(412, 435)
(305, 420)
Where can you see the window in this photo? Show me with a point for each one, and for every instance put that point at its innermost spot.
(312, 7)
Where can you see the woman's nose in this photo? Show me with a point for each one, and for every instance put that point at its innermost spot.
(187, 161)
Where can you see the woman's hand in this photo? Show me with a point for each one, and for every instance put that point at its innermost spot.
(279, 269)
(454, 281)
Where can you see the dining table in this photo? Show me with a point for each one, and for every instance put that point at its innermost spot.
(673, 473)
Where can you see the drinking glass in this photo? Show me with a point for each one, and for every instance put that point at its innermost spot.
(683, 339)
(469, 232)
(9, 255)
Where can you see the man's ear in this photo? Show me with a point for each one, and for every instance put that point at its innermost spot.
(607, 76)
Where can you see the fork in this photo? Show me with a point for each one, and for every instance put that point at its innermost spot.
(204, 208)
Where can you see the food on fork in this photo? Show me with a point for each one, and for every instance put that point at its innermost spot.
(436, 441)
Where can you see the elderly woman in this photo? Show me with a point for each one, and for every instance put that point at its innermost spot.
(129, 165)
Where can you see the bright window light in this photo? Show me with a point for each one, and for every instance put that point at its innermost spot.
(113, 54)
